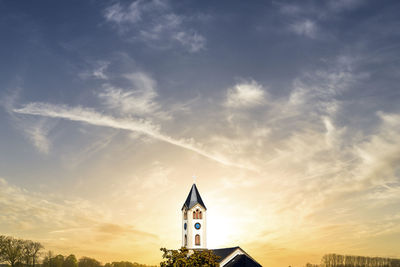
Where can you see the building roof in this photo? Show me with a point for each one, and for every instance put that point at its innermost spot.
(193, 198)
(222, 253)
(242, 261)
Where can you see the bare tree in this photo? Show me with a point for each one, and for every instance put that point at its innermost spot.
(36, 248)
(335, 260)
(47, 259)
(31, 252)
(11, 250)
(27, 252)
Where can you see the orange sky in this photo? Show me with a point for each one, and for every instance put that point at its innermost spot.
(287, 113)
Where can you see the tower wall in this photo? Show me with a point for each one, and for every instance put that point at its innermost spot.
(191, 231)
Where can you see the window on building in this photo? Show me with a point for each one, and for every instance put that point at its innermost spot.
(194, 215)
(197, 240)
(197, 214)
(185, 240)
(200, 215)
(185, 215)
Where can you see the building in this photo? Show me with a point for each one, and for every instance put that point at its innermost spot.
(194, 233)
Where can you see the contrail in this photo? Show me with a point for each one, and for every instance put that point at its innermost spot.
(90, 116)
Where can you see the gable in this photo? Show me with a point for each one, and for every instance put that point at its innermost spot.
(223, 253)
(242, 260)
(235, 256)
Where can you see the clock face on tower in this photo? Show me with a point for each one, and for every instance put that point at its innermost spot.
(197, 226)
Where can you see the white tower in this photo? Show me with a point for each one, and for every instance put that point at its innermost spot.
(194, 226)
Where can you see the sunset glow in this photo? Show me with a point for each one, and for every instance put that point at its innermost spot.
(288, 114)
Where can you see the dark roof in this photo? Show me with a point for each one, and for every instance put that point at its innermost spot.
(242, 260)
(193, 198)
(223, 252)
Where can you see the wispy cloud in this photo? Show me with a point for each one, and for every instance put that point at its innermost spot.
(155, 23)
(159, 178)
(118, 14)
(245, 94)
(79, 223)
(306, 27)
(137, 100)
(43, 211)
(38, 135)
(310, 162)
(191, 40)
(122, 230)
(35, 130)
(98, 71)
(90, 116)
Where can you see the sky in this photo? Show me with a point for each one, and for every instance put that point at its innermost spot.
(287, 112)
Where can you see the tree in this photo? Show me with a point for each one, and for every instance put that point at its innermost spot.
(47, 259)
(2, 240)
(125, 264)
(57, 261)
(70, 261)
(184, 257)
(11, 250)
(88, 262)
(31, 252)
(36, 248)
(27, 252)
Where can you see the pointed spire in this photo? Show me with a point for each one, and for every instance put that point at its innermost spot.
(193, 198)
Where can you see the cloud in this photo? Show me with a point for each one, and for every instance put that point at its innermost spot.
(123, 230)
(246, 94)
(339, 5)
(142, 126)
(306, 28)
(34, 210)
(155, 23)
(38, 133)
(98, 71)
(138, 100)
(193, 41)
(158, 178)
(312, 164)
(35, 130)
(118, 14)
(79, 223)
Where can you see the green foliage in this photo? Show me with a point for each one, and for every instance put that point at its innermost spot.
(57, 261)
(25, 253)
(124, 264)
(70, 261)
(184, 257)
(88, 262)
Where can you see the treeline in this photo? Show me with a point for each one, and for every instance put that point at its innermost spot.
(71, 261)
(19, 252)
(25, 253)
(337, 260)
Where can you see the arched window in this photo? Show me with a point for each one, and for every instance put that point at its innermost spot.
(194, 215)
(197, 214)
(185, 240)
(197, 240)
(185, 215)
(200, 215)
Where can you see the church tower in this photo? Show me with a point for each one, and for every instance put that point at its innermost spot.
(194, 226)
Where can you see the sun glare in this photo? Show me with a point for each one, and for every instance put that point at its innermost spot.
(220, 230)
